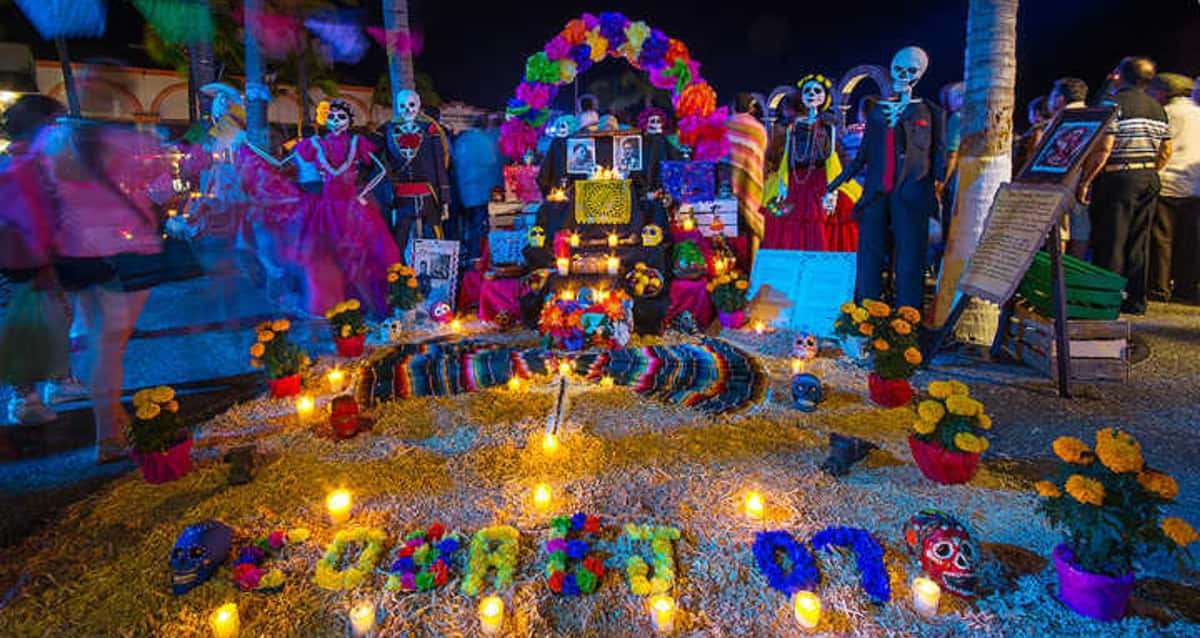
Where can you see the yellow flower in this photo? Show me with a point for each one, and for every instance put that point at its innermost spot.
(910, 314)
(859, 315)
(162, 394)
(959, 388)
(939, 389)
(1159, 484)
(1047, 489)
(1072, 450)
(742, 284)
(1180, 531)
(901, 326)
(329, 314)
(847, 307)
(345, 331)
(1085, 490)
(1118, 451)
(961, 406)
(392, 278)
(881, 345)
(985, 421)
(257, 350)
(970, 443)
(866, 329)
(913, 356)
(924, 427)
(172, 406)
(148, 411)
(280, 325)
(142, 397)
(265, 336)
(877, 308)
(931, 411)
(298, 534)
(353, 304)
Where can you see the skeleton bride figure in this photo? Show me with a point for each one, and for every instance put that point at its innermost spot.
(807, 220)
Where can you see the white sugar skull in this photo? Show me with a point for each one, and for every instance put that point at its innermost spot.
(562, 126)
(654, 125)
(806, 347)
(408, 105)
(813, 95)
(393, 329)
(339, 117)
(908, 65)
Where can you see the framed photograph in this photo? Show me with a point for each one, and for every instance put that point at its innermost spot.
(627, 153)
(436, 263)
(581, 155)
(1067, 141)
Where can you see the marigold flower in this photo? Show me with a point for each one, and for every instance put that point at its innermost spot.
(172, 406)
(742, 284)
(1046, 489)
(881, 345)
(985, 421)
(1119, 451)
(910, 314)
(257, 350)
(847, 307)
(265, 336)
(148, 411)
(924, 427)
(162, 394)
(280, 325)
(353, 304)
(931, 411)
(393, 278)
(255, 363)
(959, 388)
(141, 397)
(859, 315)
(345, 331)
(970, 443)
(1179, 531)
(411, 283)
(1085, 490)
(939, 389)
(1072, 450)
(877, 308)
(913, 356)
(1158, 483)
(962, 406)
(901, 327)
(866, 329)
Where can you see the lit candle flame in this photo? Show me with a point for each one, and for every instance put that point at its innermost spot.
(754, 505)
(224, 621)
(541, 496)
(491, 615)
(338, 503)
(807, 608)
(549, 443)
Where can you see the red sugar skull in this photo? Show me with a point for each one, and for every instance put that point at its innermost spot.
(805, 347)
(945, 550)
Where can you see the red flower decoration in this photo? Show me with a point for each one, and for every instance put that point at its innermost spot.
(408, 140)
(575, 32)
(435, 531)
(594, 565)
(276, 539)
(406, 551)
(441, 573)
(922, 122)
(676, 50)
(556, 582)
(591, 524)
(246, 575)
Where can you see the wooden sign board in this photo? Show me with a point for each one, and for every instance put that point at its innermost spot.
(814, 284)
(1021, 217)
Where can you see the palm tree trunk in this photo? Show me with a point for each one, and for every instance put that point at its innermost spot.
(64, 59)
(396, 33)
(257, 94)
(985, 159)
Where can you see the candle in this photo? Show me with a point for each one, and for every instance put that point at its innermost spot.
(224, 621)
(754, 505)
(305, 406)
(807, 608)
(600, 296)
(613, 263)
(759, 327)
(567, 294)
(549, 443)
(362, 619)
(491, 615)
(606, 382)
(613, 240)
(455, 325)
(514, 384)
(925, 597)
(719, 266)
(541, 496)
(339, 503)
(573, 239)
(336, 379)
(689, 224)
(662, 612)
(797, 365)
(564, 265)
(564, 368)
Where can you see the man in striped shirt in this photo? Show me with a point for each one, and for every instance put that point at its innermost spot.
(1125, 192)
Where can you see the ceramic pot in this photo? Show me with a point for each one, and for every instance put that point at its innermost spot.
(168, 465)
(350, 346)
(941, 465)
(282, 387)
(889, 393)
(1093, 595)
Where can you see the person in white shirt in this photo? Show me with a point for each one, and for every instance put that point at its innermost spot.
(1175, 241)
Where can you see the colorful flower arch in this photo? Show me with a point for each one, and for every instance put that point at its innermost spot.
(587, 40)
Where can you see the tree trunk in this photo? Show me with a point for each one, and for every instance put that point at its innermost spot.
(64, 58)
(985, 159)
(302, 93)
(257, 93)
(399, 46)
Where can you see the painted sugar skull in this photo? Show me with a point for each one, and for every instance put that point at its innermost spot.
(198, 551)
(536, 236)
(563, 126)
(814, 92)
(441, 312)
(807, 392)
(654, 124)
(408, 105)
(393, 329)
(805, 347)
(908, 66)
(339, 118)
(944, 547)
(653, 121)
(652, 235)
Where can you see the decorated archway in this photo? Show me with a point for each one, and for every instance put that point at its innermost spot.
(589, 39)
(845, 88)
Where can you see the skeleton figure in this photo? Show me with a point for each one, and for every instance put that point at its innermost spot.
(908, 66)
(418, 165)
(945, 550)
(652, 235)
(815, 99)
(199, 550)
(563, 126)
(536, 237)
(408, 106)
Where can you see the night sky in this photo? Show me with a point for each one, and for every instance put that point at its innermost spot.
(475, 51)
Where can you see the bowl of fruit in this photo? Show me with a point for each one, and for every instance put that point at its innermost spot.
(644, 282)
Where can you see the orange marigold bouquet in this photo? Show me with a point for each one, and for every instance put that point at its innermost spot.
(274, 351)
(1109, 503)
(729, 291)
(892, 335)
(346, 319)
(952, 419)
(403, 290)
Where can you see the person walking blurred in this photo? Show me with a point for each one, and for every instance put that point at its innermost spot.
(476, 172)
(1175, 238)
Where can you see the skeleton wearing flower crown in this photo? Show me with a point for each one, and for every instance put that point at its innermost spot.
(418, 157)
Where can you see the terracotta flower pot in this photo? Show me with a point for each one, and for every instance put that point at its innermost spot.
(732, 320)
(282, 387)
(350, 346)
(1093, 595)
(889, 393)
(941, 465)
(168, 465)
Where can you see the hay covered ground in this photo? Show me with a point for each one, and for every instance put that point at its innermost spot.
(472, 460)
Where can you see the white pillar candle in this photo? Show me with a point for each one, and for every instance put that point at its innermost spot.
(807, 609)
(491, 615)
(564, 265)
(754, 505)
(925, 597)
(614, 264)
(362, 619)
(662, 614)
(338, 503)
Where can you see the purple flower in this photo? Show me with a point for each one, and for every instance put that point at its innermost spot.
(582, 54)
(415, 542)
(408, 581)
(557, 47)
(250, 554)
(654, 49)
(556, 545)
(612, 27)
(590, 21)
(570, 587)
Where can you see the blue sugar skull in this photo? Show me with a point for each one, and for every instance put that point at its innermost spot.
(199, 550)
(806, 392)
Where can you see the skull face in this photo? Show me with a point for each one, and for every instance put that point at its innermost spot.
(562, 127)
(652, 235)
(807, 392)
(654, 125)
(805, 347)
(536, 237)
(408, 104)
(199, 550)
(442, 313)
(908, 65)
(337, 121)
(393, 330)
(945, 550)
(814, 96)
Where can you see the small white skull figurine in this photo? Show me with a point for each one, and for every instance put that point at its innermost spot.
(908, 66)
(654, 125)
(408, 105)
(393, 329)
